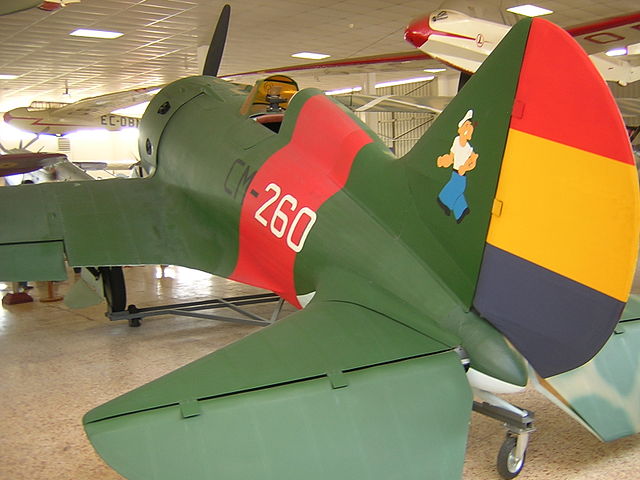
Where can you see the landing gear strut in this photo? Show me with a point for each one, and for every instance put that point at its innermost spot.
(519, 424)
(114, 288)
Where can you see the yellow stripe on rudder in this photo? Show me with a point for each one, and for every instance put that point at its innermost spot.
(569, 211)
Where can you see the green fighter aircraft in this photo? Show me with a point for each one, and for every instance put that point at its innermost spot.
(503, 244)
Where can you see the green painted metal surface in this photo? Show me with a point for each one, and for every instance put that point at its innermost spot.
(490, 94)
(84, 293)
(334, 391)
(632, 309)
(211, 189)
(605, 392)
(360, 384)
(406, 420)
(386, 219)
(324, 337)
(46, 262)
(28, 215)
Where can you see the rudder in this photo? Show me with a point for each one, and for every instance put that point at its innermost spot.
(563, 238)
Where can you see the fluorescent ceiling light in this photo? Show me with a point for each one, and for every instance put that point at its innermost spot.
(7, 76)
(529, 10)
(343, 90)
(404, 82)
(435, 70)
(82, 32)
(616, 52)
(633, 49)
(310, 55)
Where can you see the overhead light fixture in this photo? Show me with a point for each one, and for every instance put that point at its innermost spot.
(4, 76)
(83, 32)
(343, 90)
(616, 52)
(405, 81)
(435, 70)
(310, 55)
(529, 10)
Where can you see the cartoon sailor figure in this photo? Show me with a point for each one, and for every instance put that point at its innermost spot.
(463, 158)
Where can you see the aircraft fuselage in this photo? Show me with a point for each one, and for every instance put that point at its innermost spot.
(47, 122)
(295, 210)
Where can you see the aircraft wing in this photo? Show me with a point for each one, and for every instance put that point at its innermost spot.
(333, 391)
(411, 60)
(107, 103)
(15, 163)
(98, 223)
(393, 103)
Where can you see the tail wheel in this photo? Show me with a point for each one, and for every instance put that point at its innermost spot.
(115, 291)
(509, 463)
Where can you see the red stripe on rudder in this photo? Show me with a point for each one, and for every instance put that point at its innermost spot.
(564, 97)
(312, 167)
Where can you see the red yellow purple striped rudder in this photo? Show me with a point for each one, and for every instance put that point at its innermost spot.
(563, 238)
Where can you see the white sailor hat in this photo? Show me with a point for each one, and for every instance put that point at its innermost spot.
(468, 116)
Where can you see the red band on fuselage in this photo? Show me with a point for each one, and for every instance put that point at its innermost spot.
(282, 200)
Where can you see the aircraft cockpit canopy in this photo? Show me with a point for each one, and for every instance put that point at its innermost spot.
(270, 95)
(268, 100)
(37, 106)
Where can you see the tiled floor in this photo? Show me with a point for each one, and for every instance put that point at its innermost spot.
(56, 364)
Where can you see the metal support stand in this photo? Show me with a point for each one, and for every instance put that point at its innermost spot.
(191, 309)
(519, 425)
(52, 296)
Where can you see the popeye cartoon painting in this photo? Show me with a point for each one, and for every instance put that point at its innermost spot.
(461, 155)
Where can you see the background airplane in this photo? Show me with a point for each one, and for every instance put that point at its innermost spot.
(14, 164)
(13, 6)
(322, 206)
(463, 41)
(19, 164)
(56, 118)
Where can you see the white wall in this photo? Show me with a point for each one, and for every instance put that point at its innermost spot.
(86, 145)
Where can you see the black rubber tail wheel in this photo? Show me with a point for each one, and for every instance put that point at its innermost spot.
(136, 321)
(508, 465)
(115, 291)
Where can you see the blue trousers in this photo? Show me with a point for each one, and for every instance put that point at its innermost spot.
(452, 194)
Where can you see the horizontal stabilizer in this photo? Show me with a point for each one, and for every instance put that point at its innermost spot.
(604, 393)
(334, 391)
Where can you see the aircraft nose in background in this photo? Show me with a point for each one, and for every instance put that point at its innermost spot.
(418, 31)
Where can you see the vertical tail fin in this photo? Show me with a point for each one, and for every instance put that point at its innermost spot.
(488, 98)
(553, 269)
